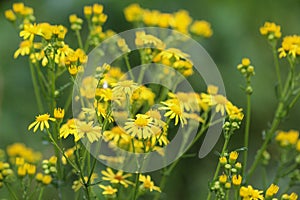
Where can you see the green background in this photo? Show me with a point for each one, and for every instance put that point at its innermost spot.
(236, 35)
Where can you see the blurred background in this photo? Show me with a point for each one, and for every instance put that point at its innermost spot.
(236, 35)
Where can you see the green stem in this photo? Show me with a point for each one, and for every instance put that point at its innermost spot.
(227, 138)
(36, 89)
(79, 40)
(41, 194)
(11, 191)
(275, 123)
(136, 186)
(128, 67)
(277, 68)
(247, 130)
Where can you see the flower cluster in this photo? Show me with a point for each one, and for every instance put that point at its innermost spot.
(180, 20)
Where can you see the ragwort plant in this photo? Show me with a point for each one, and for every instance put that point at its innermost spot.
(54, 66)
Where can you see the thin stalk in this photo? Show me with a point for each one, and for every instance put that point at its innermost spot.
(227, 138)
(277, 68)
(128, 67)
(36, 89)
(11, 191)
(41, 194)
(136, 186)
(79, 40)
(275, 123)
(247, 130)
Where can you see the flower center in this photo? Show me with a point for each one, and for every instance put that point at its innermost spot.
(140, 121)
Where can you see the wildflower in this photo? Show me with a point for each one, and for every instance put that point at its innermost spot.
(147, 40)
(21, 171)
(116, 134)
(124, 87)
(59, 113)
(116, 178)
(223, 178)
(249, 193)
(201, 28)
(30, 30)
(143, 94)
(153, 18)
(287, 138)
(236, 180)
(238, 165)
(271, 30)
(93, 133)
(133, 13)
(39, 177)
(233, 112)
(148, 184)
(174, 111)
(69, 128)
(108, 190)
(18, 7)
(290, 46)
(87, 10)
(88, 87)
(223, 160)
(47, 179)
(76, 22)
(181, 20)
(24, 48)
(272, 190)
(189, 101)
(19, 150)
(41, 121)
(140, 127)
(10, 15)
(292, 196)
(233, 156)
(122, 45)
(97, 9)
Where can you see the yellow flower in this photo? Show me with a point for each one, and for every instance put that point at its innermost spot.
(93, 133)
(122, 88)
(248, 193)
(152, 18)
(41, 121)
(290, 45)
(233, 112)
(116, 134)
(18, 7)
(223, 160)
(88, 87)
(69, 128)
(143, 94)
(87, 10)
(39, 177)
(233, 156)
(271, 30)
(21, 171)
(236, 180)
(140, 127)
(148, 184)
(174, 111)
(147, 40)
(116, 178)
(201, 28)
(133, 13)
(272, 190)
(21, 151)
(24, 48)
(292, 196)
(181, 20)
(30, 30)
(97, 8)
(20, 161)
(287, 138)
(47, 179)
(59, 113)
(10, 15)
(108, 190)
(223, 178)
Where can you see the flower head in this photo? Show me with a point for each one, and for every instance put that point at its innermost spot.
(140, 127)
(272, 190)
(271, 30)
(116, 178)
(248, 193)
(290, 46)
(201, 28)
(108, 190)
(148, 184)
(41, 121)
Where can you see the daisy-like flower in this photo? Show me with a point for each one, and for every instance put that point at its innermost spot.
(124, 87)
(24, 48)
(142, 40)
(290, 46)
(69, 128)
(140, 127)
(148, 184)
(115, 134)
(108, 190)
(30, 30)
(116, 178)
(249, 193)
(41, 121)
(174, 111)
(272, 190)
(93, 133)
